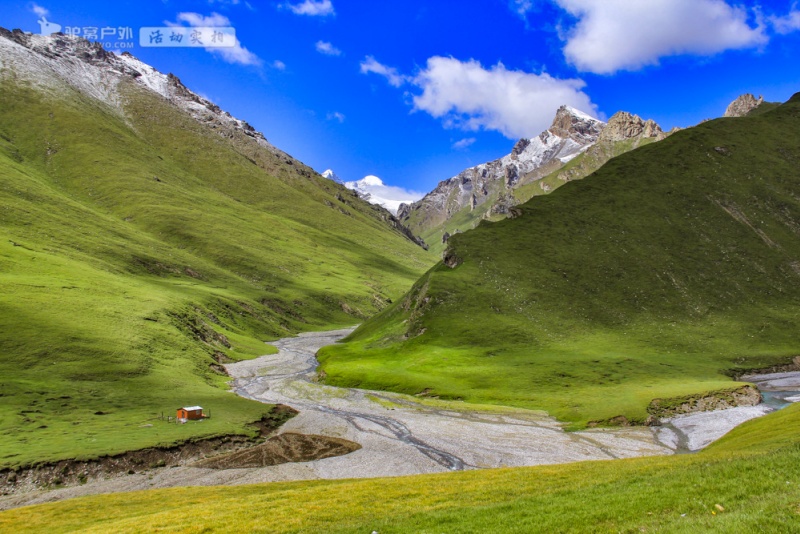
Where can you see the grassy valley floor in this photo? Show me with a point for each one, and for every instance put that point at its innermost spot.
(747, 482)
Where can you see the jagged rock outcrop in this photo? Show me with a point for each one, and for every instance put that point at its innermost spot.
(624, 132)
(623, 125)
(569, 123)
(743, 105)
(480, 188)
(400, 227)
(403, 210)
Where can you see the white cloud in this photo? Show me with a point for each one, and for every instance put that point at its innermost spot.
(613, 35)
(521, 7)
(395, 79)
(464, 143)
(235, 54)
(313, 8)
(324, 47)
(39, 10)
(196, 19)
(786, 24)
(336, 116)
(279, 65)
(513, 102)
(226, 3)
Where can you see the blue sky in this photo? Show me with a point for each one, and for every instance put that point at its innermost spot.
(416, 91)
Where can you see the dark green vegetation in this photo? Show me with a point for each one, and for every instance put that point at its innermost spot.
(669, 265)
(580, 167)
(749, 481)
(140, 249)
(500, 202)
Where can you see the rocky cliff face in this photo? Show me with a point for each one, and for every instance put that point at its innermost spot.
(623, 125)
(623, 133)
(486, 188)
(743, 105)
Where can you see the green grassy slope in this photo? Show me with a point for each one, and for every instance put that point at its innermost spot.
(140, 248)
(541, 182)
(648, 279)
(753, 474)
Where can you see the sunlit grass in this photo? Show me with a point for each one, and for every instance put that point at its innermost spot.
(140, 251)
(747, 482)
(670, 266)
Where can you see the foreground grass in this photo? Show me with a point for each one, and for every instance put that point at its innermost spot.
(140, 250)
(651, 278)
(753, 474)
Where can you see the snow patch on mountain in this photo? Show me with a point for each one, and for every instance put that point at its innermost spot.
(373, 190)
(572, 133)
(579, 114)
(330, 175)
(60, 63)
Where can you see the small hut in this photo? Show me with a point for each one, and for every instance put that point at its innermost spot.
(190, 413)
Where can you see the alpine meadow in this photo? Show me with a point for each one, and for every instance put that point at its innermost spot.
(328, 266)
(572, 307)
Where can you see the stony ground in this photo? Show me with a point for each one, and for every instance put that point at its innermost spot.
(402, 435)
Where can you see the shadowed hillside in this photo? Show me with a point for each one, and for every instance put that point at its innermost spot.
(651, 278)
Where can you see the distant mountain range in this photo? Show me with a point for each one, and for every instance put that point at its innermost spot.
(372, 189)
(375, 191)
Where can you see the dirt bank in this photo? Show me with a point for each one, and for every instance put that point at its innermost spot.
(281, 449)
(78, 472)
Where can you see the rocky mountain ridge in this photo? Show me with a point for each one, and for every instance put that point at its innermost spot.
(68, 57)
(623, 125)
(573, 147)
(479, 187)
(623, 132)
(61, 60)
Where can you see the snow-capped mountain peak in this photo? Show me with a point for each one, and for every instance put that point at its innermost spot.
(373, 190)
(370, 181)
(330, 175)
(487, 186)
(578, 113)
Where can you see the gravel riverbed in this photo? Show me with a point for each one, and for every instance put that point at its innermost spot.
(403, 435)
